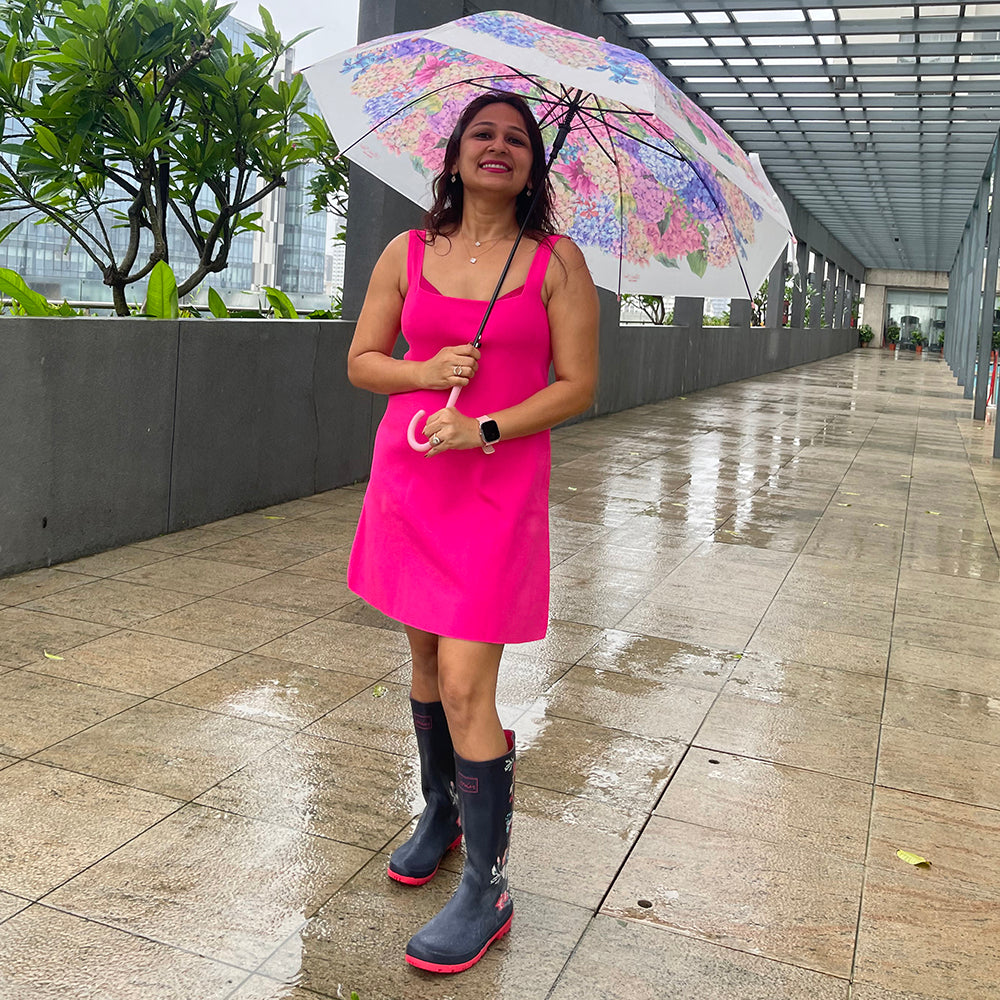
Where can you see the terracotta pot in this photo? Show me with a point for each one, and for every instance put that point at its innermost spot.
(919, 348)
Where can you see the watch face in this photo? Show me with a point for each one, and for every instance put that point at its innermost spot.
(490, 431)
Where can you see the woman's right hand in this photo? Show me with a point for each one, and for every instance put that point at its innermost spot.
(451, 366)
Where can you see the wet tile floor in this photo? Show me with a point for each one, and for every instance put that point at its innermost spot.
(774, 660)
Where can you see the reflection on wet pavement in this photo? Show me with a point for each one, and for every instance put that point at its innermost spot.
(773, 662)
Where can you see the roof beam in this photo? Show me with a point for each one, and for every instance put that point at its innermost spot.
(865, 70)
(867, 104)
(723, 6)
(814, 118)
(908, 130)
(827, 50)
(809, 29)
(789, 92)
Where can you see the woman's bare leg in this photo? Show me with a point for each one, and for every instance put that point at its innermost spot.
(467, 682)
(424, 652)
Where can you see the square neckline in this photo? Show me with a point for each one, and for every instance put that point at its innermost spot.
(426, 285)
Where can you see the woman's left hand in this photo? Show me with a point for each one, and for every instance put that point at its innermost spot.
(449, 430)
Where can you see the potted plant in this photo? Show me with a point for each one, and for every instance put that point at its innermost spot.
(892, 336)
(865, 335)
(939, 346)
(918, 341)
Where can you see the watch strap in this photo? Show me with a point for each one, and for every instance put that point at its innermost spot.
(487, 448)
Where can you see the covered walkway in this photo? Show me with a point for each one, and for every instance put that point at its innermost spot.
(774, 660)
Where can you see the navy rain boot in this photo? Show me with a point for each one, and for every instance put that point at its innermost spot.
(437, 830)
(481, 909)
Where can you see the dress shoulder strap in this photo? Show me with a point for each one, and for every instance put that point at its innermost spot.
(415, 258)
(539, 264)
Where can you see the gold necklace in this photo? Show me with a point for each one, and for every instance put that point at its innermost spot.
(493, 243)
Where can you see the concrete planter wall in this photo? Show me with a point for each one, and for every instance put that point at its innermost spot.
(112, 431)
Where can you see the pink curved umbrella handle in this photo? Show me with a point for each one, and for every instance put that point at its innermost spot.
(411, 431)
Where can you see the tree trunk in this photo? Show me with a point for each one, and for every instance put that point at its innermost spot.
(121, 304)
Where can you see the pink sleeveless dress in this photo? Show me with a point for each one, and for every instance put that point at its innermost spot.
(458, 544)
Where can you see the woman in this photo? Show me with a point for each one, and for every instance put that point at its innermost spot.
(453, 543)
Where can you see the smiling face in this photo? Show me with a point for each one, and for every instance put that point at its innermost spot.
(495, 152)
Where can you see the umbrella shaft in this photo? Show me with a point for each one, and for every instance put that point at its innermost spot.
(557, 145)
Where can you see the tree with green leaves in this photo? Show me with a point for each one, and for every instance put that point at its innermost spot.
(127, 113)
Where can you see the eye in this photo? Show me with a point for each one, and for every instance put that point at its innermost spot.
(515, 140)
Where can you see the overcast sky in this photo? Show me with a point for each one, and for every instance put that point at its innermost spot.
(337, 21)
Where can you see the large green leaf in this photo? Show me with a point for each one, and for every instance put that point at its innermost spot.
(216, 305)
(15, 287)
(280, 303)
(161, 293)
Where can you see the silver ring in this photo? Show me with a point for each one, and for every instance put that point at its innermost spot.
(435, 440)
(457, 370)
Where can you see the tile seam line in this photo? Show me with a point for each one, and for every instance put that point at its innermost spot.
(878, 743)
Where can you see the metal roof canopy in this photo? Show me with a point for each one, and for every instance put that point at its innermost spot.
(878, 117)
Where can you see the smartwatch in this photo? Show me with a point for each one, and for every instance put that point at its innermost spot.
(489, 432)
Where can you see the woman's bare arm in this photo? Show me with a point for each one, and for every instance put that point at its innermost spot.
(370, 364)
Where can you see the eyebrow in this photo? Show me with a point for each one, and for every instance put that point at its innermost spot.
(517, 128)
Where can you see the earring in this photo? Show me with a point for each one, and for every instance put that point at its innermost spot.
(527, 190)
(454, 178)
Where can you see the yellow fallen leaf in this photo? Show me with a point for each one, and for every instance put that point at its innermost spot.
(379, 690)
(272, 517)
(572, 489)
(849, 494)
(913, 859)
(675, 503)
(879, 524)
(843, 505)
(52, 656)
(906, 477)
(936, 513)
(728, 532)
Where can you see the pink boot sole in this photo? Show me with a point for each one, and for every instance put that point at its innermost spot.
(432, 967)
(409, 880)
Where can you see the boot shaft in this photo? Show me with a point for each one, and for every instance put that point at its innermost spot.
(437, 754)
(486, 806)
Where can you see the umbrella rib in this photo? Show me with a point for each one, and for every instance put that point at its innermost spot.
(673, 152)
(621, 193)
(718, 208)
(475, 81)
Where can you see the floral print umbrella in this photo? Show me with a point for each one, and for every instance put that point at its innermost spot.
(657, 196)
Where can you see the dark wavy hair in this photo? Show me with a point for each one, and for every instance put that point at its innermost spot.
(445, 215)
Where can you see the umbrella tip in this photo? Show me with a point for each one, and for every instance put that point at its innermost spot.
(601, 38)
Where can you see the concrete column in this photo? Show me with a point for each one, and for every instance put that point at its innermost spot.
(799, 294)
(837, 310)
(816, 300)
(989, 305)
(774, 310)
(689, 312)
(830, 293)
(740, 313)
(874, 314)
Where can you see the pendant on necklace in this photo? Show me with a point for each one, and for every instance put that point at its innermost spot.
(478, 244)
(472, 260)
